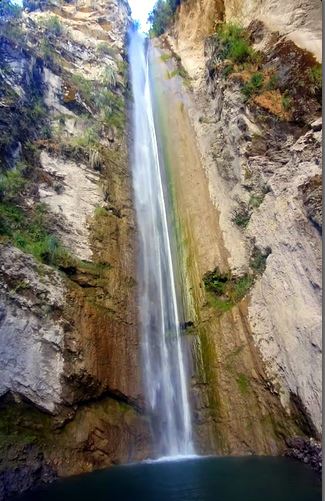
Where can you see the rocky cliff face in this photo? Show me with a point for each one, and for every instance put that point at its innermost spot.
(70, 382)
(259, 147)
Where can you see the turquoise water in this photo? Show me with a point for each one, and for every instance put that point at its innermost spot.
(204, 479)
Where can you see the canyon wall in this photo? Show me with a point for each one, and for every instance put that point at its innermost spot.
(70, 388)
(261, 156)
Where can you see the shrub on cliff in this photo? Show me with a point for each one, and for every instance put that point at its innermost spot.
(254, 85)
(225, 289)
(12, 184)
(161, 16)
(54, 26)
(235, 45)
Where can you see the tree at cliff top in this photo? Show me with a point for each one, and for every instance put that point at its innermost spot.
(161, 15)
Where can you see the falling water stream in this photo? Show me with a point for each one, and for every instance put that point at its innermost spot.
(164, 368)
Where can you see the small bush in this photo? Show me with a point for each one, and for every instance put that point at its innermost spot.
(254, 85)
(84, 86)
(240, 51)
(255, 201)
(273, 82)
(28, 232)
(54, 26)
(315, 75)
(113, 110)
(46, 50)
(235, 44)
(225, 289)
(241, 216)
(227, 70)
(36, 111)
(259, 258)
(166, 57)
(241, 287)
(100, 212)
(103, 49)
(11, 217)
(216, 282)
(109, 76)
(12, 183)
(89, 138)
(286, 101)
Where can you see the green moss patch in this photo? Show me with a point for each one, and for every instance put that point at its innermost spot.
(243, 383)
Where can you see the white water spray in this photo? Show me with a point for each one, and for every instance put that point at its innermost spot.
(163, 359)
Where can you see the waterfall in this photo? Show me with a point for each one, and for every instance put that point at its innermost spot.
(163, 359)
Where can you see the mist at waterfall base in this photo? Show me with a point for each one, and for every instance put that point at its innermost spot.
(205, 479)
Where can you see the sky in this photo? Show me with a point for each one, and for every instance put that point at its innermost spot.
(140, 10)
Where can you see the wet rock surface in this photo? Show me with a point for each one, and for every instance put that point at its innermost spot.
(70, 379)
(30, 470)
(308, 451)
(264, 176)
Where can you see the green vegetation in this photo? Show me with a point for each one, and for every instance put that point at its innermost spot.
(161, 16)
(10, 22)
(179, 72)
(286, 101)
(103, 49)
(12, 183)
(113, 111)
(28, 231)
(258, 259)
(87, 145)
(255, 201)
(254, 85)
(273, 82)
(235, 45)
(166, 57)
(53, 26)
(216, 282)
(109, 76)
(227, 70)
(225, 290)
(241, 216)
(315, 75)
(36, 111)
(46, 51)
(110, 104)
(89, 139)
(243, 383)
(242, 286)
(100, 212)
(84, 86)
(22, 424)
